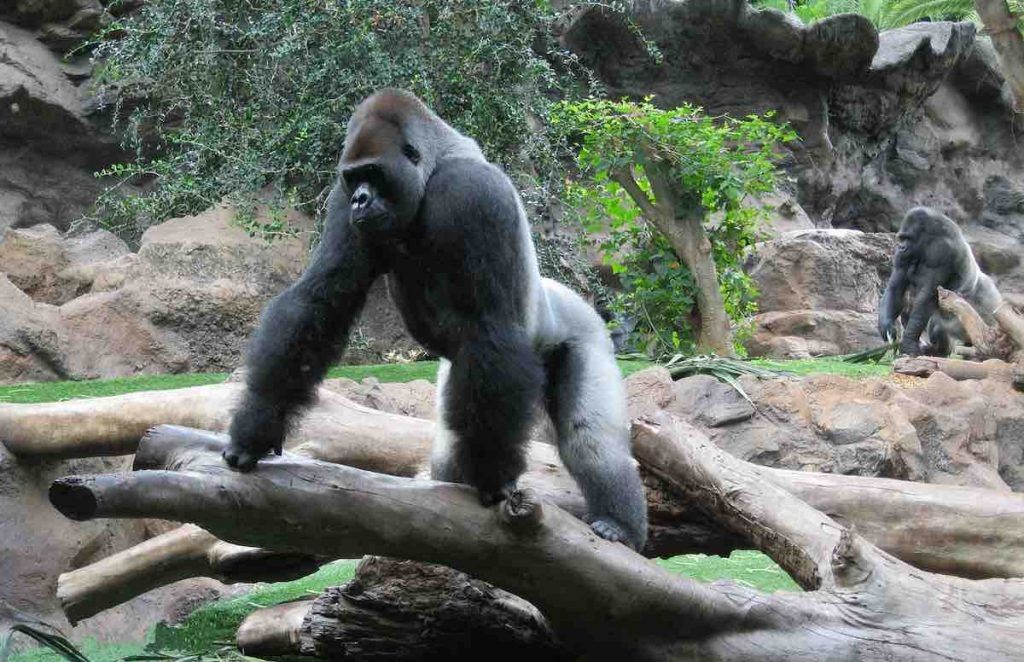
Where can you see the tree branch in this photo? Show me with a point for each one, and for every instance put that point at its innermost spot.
(601, 598)
(293, 504)
(187, 551)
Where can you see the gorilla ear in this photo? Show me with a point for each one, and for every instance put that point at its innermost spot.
(411, 153)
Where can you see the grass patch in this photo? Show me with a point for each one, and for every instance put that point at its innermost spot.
(747, 567)
(98, 388)
(826, 366)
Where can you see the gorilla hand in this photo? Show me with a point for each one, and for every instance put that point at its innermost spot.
(256, 428)
(887, 328)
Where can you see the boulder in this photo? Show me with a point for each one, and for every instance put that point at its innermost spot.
(936, 430)
(819, 292)
(37, 544)
(30, 346)
(49, 144)
(54, 269)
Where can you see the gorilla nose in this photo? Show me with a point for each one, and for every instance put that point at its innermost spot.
(362, 197)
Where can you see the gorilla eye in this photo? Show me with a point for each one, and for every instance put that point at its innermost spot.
(411, 153)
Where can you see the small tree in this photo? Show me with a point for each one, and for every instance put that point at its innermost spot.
(688, 175)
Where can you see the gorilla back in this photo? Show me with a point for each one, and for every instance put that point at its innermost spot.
(932, 253)
(417, 201)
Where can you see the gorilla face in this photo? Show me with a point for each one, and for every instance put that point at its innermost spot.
(911, 234)
(382, 167)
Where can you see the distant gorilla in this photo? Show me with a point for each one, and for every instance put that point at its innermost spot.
(417, 201)
(932, 252)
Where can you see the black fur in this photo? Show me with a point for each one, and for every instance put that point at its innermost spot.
(931, 253)
(417, 201)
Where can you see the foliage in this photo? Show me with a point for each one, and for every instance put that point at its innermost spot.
(235, 96)
(718, 163)
(721, 368)
(886, 14)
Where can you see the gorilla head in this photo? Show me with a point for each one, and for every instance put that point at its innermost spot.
(392, 145)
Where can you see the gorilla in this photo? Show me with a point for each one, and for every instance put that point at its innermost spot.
(417, 202)
(932, 252)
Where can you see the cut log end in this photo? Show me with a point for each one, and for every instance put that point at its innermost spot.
(522, 511)
(73, 498)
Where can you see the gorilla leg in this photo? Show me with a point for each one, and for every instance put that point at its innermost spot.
(940, 339)
(487, 404)
(926, 302)
(442, 462)
(587, 403)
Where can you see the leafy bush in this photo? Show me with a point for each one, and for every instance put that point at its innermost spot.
(713, 166)
(228, 97)
(886, 14)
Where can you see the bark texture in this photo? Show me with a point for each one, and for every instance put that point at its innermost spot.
(1002, 26)
(187, 551)
(404, 610)
(600, 598)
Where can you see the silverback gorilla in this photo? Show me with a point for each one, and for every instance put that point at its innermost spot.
(418, 202)
(931, 253)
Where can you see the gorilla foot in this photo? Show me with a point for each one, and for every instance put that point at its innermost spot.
(610, 531)
(489, 498)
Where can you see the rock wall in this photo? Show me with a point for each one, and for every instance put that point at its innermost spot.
(84, 306)
(916, 115)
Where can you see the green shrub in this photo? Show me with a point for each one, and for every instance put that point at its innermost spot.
(224, 98)
(714, 168)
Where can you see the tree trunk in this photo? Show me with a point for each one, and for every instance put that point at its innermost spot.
(600, 598)
(683, 226)
(404, 610)
(1002, 26)
(187, 551)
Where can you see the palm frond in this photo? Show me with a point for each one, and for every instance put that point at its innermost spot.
(723, 369)
(54, 642)
(873, 355)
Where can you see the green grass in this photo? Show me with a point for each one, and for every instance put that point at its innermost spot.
(747, 567)
(98, 388)
(827, 366)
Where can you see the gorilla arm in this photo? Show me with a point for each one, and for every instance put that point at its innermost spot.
(892, 301)
(301, 332)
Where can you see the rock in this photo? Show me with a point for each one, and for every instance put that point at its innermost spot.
(912, 116)
(49, 145)
(415, 398)
(941, 431)
(822, 270)
(30, 346)
(188, 301)
(379, 332)
(710, 402)
(53, 269)
(647, 391)
(819, 292)
(37, 544)
(201, 282)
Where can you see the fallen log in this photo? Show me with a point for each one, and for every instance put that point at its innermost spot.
(187, 551)
(403, 610)
(989, 342)
(925, 366)
(600, 598)
(335, 430)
